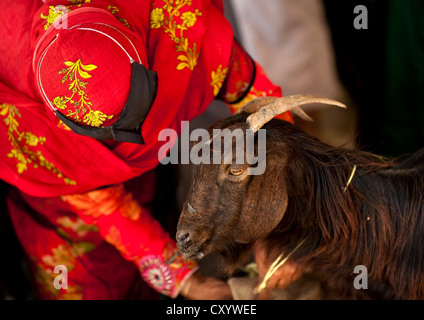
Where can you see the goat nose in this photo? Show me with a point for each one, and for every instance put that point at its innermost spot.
(183, 236)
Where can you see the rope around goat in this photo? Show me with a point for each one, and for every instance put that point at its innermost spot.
(350, 178)
(276, 265)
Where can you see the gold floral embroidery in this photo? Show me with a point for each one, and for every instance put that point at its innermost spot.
(115, 10)
(78, 226)
(95, 118)
(64, 254)
(45, 281)
(241, 86)
(165, 17)
(63, 126)
(252, 94)
(54, 13)
(60, 10)
(104, 202)
(156, 18)
(22, 142)
(218, 78)
(114, 238)
(130, 208)
(73, 73)
(94, 203)
(79, 2)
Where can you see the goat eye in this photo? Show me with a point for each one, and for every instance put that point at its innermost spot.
(236, 172)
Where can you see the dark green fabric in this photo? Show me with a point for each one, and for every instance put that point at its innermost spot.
(402, 125)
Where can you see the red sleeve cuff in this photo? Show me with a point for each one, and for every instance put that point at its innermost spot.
(131, 229)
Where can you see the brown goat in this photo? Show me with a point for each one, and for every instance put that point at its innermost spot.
(377, 221)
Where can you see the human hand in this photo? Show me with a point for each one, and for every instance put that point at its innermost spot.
(281, 278)
(199, 287)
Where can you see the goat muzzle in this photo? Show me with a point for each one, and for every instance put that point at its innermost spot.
(187, 247)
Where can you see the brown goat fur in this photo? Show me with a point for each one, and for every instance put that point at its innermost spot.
(377, 222)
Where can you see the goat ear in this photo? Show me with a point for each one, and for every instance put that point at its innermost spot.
(265, 202)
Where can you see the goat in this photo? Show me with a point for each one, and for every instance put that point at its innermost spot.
(376, 220)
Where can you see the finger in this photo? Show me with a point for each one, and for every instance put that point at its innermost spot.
(216, 289)
(286, 280)
(262, 286)
(222, 292)
(265, 294)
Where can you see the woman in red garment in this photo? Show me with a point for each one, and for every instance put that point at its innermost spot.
(83, 97)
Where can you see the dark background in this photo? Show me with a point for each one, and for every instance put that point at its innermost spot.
(382, 68)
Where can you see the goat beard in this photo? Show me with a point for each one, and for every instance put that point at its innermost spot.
(233, 257)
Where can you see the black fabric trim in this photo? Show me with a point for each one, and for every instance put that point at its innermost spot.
(140, 100)
(143, 91)
(96, 133)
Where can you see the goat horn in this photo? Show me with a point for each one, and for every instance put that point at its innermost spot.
(254, 105)
(284, 104)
